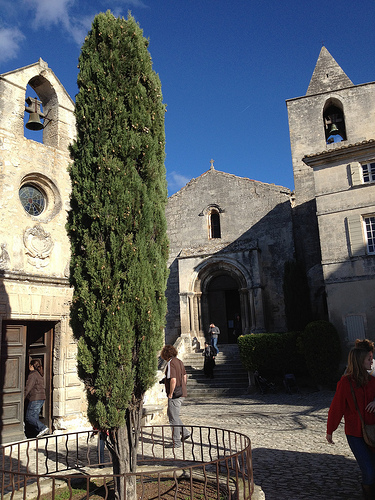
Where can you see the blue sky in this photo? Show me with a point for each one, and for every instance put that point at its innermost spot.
(226, 67)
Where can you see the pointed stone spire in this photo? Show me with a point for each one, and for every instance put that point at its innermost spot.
(328, 75)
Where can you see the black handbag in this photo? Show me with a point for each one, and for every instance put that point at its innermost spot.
(368, 430)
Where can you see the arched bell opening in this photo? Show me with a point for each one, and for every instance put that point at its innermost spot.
(41, 111)
(334, 121)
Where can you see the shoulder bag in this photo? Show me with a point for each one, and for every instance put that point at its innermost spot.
(177, 393)
(368, 430)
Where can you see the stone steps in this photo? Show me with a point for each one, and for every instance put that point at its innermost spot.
(230, 378)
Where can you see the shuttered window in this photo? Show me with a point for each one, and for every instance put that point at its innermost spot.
(355, 327)
(355, 229)
(369, 223)
(355, 171)
(368, 172)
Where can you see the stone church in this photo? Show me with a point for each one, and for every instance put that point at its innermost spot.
(229, 236)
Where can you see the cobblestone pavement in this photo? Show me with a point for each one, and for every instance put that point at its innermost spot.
(291, 458)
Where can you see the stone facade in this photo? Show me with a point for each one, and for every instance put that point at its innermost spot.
(328, 172)
(34, 259)
(229, 236)
(236, 272)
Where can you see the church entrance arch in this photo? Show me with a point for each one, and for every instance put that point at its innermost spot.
(223, 292)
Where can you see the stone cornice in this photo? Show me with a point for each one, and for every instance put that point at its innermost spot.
(33, 278)
(359, 151)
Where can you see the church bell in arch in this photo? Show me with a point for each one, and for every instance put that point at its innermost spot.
(34, 122)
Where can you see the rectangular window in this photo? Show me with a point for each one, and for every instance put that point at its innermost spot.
(368, 172)
(369, 223)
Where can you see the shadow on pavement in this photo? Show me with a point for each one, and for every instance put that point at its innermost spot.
(291, 475)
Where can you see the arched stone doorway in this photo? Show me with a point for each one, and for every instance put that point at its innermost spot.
(223, 301)
(227, 292)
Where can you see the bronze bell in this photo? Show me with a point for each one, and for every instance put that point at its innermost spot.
(334, 130)
(34, 122)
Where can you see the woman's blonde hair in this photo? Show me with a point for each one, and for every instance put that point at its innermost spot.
(356, 366)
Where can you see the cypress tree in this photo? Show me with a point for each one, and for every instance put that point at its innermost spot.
(117, 230)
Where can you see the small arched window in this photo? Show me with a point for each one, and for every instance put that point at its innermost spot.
(214, 224)
(334, 121)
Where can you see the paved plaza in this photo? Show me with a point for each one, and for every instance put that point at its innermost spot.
(291, 458)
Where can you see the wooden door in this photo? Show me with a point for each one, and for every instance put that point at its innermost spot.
(12, 382)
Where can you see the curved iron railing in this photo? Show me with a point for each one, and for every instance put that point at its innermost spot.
(217, 460)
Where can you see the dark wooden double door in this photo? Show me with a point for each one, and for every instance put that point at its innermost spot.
(20, 343)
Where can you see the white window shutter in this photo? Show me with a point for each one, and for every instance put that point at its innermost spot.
(355, 228)
(355, 327)
(356, 173)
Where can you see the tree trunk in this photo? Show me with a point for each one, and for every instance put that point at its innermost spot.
(123, 445)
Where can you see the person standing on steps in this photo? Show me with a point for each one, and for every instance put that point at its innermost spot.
(214, 335)
(175, 387)
(209, 360)
(35, 393)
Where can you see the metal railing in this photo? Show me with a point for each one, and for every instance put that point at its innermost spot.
(217, 462)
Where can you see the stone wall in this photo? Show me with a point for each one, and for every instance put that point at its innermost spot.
(253, 215)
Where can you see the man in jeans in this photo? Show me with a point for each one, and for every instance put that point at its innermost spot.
(175, 386)
(214, 332)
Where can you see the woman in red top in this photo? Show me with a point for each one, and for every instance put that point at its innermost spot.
(343, 405)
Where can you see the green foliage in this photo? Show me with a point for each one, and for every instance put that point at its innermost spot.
(316, 350)
(271, 352)
(296, 296)
(116, 223)
(321, 347)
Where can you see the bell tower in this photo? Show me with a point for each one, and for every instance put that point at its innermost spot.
(333, 153)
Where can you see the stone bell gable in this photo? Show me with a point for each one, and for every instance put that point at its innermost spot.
(229, 239)
(58, 106)
(34, 257)
(36, 243)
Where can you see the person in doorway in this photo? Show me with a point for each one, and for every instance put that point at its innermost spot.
(175, 387)
(356, 384)
(209, 360)
(35, 394)
(214, 335)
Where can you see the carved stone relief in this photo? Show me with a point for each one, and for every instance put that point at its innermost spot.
(38, 245)
(4, 257)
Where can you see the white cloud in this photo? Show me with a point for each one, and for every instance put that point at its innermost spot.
(176, 181)
(10, 41)
(49, 12)
(78, 28)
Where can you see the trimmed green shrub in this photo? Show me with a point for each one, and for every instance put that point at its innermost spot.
(271, 352)
(321, 347)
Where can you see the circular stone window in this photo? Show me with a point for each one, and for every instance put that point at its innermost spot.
(39, 197)
(33, 199)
